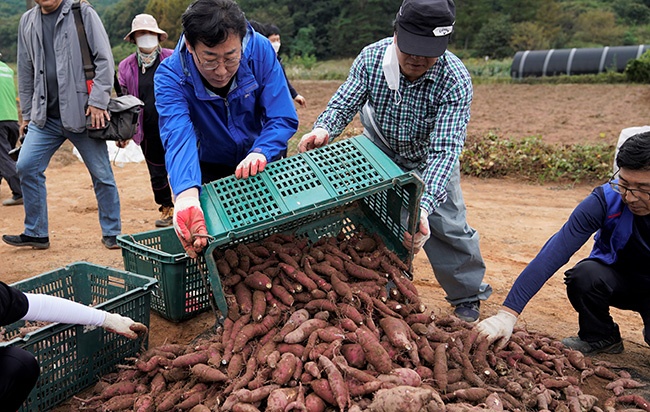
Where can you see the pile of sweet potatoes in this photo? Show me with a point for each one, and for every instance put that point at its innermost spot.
(336, 325)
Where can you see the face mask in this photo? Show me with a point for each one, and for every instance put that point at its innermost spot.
(147, 41)
(276, 46)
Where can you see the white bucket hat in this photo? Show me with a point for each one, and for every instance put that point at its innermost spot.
(145, 22)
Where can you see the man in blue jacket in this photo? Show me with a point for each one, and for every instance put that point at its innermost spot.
(614, 274)
(224, 108)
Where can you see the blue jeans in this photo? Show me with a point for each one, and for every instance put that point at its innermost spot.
(38, 148)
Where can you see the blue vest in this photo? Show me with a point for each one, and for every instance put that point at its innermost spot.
(616, 230)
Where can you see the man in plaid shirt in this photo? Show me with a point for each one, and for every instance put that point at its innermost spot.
(414, 98)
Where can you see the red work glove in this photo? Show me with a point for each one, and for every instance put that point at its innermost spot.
(316, 138)
(189, 222)
(253, 164)
(423, 234)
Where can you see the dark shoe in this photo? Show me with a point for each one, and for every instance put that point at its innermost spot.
(166, 217)
(14, 201)
(24, 240)
(468, 311)
(611, 345)
(110, 242)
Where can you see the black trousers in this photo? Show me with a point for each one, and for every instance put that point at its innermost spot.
(9, 131)
(154, 154)
(19, 374)
(593, 287)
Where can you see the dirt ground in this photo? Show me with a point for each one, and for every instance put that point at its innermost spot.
(513, 218)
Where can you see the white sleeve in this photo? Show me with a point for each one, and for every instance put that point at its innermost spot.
(54, 309)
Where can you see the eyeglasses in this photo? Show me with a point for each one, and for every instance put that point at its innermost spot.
(214, 64)
(622, 190)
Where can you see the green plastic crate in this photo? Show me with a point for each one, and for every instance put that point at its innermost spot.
(73, 357)
(297, 186)
(346, 186)
(181, 292)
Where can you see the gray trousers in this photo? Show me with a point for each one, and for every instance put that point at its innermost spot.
(453, 248)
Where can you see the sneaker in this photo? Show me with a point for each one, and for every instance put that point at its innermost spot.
(110, 242)
(468, 311)
(166, 217)
(611, 345)
(14, 201)
(24, 240)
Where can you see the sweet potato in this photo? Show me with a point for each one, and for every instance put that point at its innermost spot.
(244, 250)
(404, 399)
(321, 387)
(282, 293)
(397, 332)
(352, 372)
(244, 407)
(253, 330)
(207, 373)
(314, 403)
(285, 369)
(350, 312)
(374, 353)
(190, 359)
(341, 287)
(258, 281)
(440, 366)
(119, 403)
(278, 399)
(244, 297)
(354, 355)
(302, 332)
(402, 376)
(258, 306)
(360, 272)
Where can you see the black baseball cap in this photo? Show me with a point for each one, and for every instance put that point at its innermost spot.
(423, 27)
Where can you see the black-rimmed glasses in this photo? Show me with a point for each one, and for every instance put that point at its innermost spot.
(623, 190)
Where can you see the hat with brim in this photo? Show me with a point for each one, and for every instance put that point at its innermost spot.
(423, 27)
(145, 22)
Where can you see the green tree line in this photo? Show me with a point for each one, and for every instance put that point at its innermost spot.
(329, 29)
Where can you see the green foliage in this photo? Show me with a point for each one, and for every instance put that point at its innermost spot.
(321, 70)
(330, 29)
(488, 67)
(638, 70)
(303, 44)
(117, 19)
(608, 77)
(533, 160)
(494, 38)
(122, 51)
(598, 27)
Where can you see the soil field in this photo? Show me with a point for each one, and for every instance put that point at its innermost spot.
(513, 218)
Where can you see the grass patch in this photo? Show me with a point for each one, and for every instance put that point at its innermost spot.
(533, 160)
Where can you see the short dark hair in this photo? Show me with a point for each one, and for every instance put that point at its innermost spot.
(212, 21)
(634, 153)
(258, 27)
(272, 29)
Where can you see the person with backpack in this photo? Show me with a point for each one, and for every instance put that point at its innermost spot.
(55, 100)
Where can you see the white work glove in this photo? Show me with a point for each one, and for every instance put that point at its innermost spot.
(253, 164)
(123, 325)
(189, 222)
(498, 328)
(423, 234)
(316, 138)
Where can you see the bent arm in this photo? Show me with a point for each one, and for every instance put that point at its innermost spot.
(584, 221)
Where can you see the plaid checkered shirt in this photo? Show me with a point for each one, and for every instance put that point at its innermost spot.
(425, 121)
